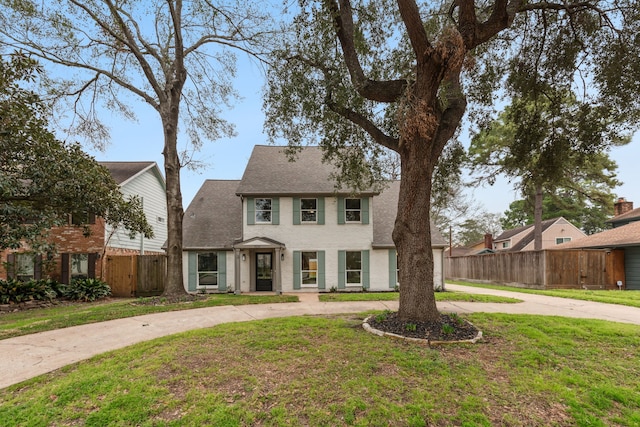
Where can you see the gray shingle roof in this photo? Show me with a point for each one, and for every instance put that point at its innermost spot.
(123, 171)
(632, 215)
(213, 220)
(530, 237)
(270, 172)
(626, 235)
(385, 207)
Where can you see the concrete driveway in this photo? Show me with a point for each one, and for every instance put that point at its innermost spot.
(28, 356)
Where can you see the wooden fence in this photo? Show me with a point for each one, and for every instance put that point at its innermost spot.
(549, 269)
(136, 275)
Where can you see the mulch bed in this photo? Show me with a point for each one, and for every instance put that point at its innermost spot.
(458, 329)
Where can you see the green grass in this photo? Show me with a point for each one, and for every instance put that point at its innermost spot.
(393, 296)
(530, 370)
(630, 298)
(56, 317)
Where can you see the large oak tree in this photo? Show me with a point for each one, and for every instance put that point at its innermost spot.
(358, 75)
(178, 57)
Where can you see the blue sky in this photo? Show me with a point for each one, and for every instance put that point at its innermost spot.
(227, 158)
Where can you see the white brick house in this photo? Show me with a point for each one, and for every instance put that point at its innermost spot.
(284, 227)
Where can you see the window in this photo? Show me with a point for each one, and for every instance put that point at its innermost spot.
(25, 267)
(79, 267)
(309, 269)
(263, 210)
(353, 268)
(561, 240)
(82, 218)
(207, 269)
(352, 211)
(309, 210)
(506, 244)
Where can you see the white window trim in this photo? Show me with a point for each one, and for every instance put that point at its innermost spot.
(256, 211)
(80, 275)
(347, 210)
(506, 244)
(302, 271)
(198, 271)
(347, 271)
(302, 210)
(564, 240)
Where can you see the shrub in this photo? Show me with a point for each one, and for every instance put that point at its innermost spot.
(86, 290)
(15, 291)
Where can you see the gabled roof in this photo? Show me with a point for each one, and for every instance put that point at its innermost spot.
(626, 235)
(531, 235)
(632, 215)
(269, 172)
(123, 172)
(385, 207)
(507, 234)
(213, 220)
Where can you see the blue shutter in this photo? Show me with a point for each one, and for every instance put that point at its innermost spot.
(320, 210)
(393, 266)
(251, 211)
(193, 271)
(222, 271)
(365, 269)
(296, 211)
(342, 268)
(297, 265)
(340, 210)
(321, 275)
(364, 207)
(275, 211)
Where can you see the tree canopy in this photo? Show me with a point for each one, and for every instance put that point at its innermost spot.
(358, 75)
(43, 180)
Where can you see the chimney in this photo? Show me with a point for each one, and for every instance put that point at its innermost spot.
(488, 241)
(622, 206)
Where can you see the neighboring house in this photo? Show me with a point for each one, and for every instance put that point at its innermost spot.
(482, 247)
(624, 236)
(555, 231)
(80, 255)
(285, 227)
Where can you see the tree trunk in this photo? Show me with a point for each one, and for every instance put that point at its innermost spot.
(412, 236)
(174, 280)
(537, 219)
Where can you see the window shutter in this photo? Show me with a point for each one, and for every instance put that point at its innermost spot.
(393, 266)
(340, 210)
(275, 211)
(321, 275)
(11, 266)
(342, 269)
(91, 267)
(296, 211)
(320, 210)
(297, 266)
(222, 271)
(193, 271)
(37, 267)
(251, 211)
(365, 269)
(64, 276)
(364, 207)
(92, 217)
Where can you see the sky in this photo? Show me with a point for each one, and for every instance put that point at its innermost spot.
(226, 158)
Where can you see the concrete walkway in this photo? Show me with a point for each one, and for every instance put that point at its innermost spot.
(28, 356)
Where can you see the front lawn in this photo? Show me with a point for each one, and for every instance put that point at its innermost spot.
(394, 296)
(630, 298)
(529, 371)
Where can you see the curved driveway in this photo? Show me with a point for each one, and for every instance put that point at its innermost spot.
(28, 356)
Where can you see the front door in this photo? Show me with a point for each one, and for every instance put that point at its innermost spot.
(264, 272)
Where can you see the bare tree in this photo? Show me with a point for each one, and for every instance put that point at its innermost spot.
(178, 57)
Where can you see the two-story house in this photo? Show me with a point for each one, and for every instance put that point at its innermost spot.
(555, 231)
(81, 255)
(285, 227)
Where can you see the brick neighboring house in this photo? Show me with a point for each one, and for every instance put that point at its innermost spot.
(555, 231)
(79, 255)
(284, 227)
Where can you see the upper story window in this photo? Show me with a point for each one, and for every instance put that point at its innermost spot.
(353, 210)
(309, 210)
(82, 218)
(506, 244)
(263, 210)
(561, 240)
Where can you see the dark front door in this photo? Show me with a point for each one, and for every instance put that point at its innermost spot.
(264, 272)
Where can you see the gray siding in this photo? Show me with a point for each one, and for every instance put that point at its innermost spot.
(632, 267)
